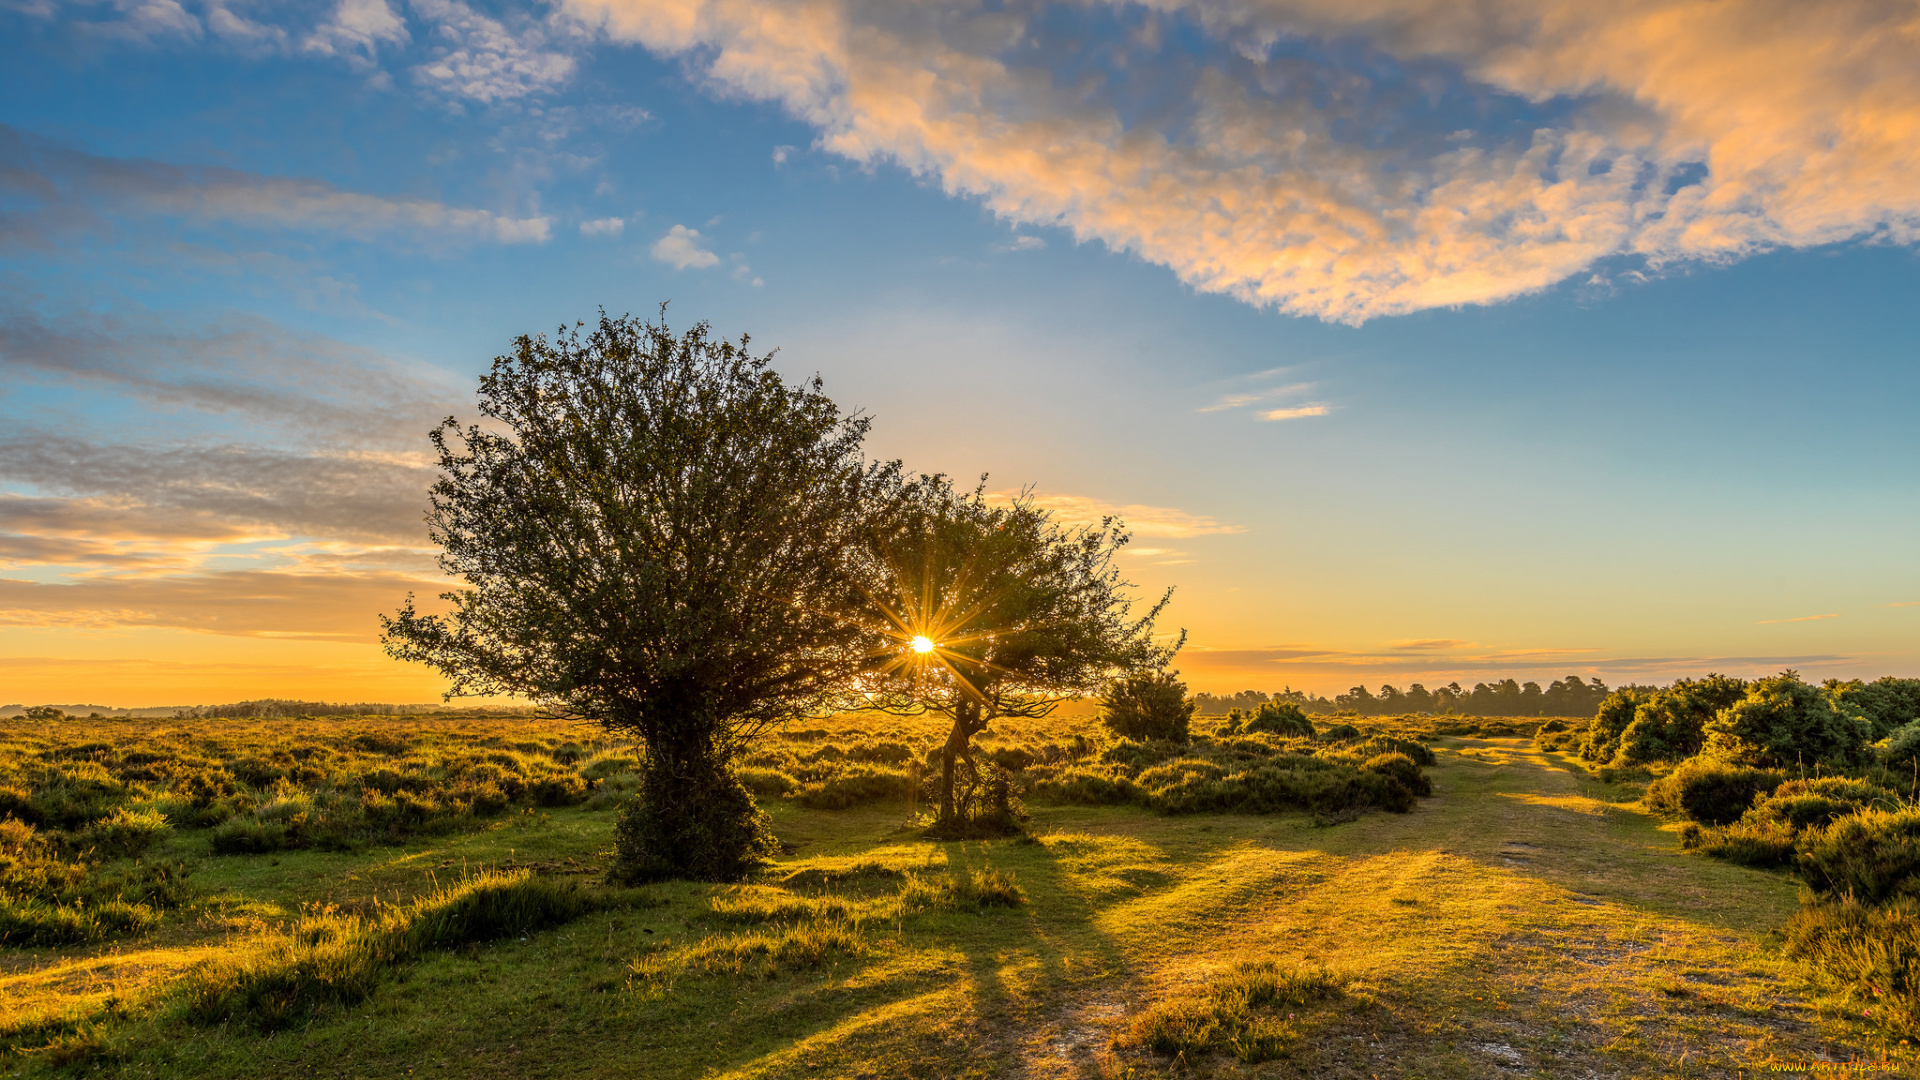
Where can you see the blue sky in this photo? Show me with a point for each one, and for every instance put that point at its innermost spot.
(1416, 345)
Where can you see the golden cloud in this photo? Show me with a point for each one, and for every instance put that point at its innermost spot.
(1668, 129)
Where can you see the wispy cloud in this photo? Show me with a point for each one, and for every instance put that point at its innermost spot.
(1803, 618)
(1160, 521)
(683, 249)
(612, 226)
(1672, 131)
(48, 188)
(1427, 644)
(1295, 412)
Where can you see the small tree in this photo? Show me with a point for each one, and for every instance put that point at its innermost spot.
(656, 533)
(1000, 612)
(1148, 705)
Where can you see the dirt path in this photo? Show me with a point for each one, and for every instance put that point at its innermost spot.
(1518, 923)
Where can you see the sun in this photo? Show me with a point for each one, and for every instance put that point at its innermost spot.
(922, 644)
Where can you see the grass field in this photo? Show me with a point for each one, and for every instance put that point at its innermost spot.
(1525, 920)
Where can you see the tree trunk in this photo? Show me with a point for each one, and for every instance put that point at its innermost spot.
(968, 720)
(692, 819)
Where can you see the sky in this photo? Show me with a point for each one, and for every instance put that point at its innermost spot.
(1415, 340)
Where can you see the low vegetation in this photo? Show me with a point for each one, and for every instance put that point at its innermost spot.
(1781, 774)
(1186, 903)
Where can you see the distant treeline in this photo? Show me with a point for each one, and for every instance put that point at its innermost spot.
(1571, 696)
(277, 708)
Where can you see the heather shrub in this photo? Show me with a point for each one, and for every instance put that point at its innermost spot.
(1870, 857)
(1401, 769)
(1812, 804)
(855, 785)
(1710, 791)
(1765, 846)
(1340, 733)
(1870, 954)
(1421, 754)
(124, 832)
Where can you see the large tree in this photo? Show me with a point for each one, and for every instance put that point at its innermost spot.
(656, 533)
(1000, 612)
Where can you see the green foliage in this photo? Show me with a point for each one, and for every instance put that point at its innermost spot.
(658, 534)
(1670, 724)
(1870, 857)
(1611, 721)
(1784, 723)
(1887, 703)
(49, 898)
(698, 825)
(1401, 768)
(1421, 754)
(1148, 705)
(1279, 718)
(1025, 615)
(1764, 845)
(1710, 791)
(1901, 753)
(1339, 733)
(1871, 954)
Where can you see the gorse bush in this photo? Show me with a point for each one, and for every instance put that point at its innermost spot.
(1888, 704)
(1275, 718)
(1150, 705)
(1783, 723)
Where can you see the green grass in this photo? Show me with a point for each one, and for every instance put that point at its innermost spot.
(1525, 920)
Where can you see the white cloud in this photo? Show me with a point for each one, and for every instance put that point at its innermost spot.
(1672, 130)
(480, 59)
(781, 153)
(680, 248)
(612, 226)
(358, 26)
(1022, 243)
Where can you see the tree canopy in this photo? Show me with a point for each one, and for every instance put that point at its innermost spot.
(660, 534)
(1013, 613)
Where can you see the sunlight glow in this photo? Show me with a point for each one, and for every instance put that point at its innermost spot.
(922, 644)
